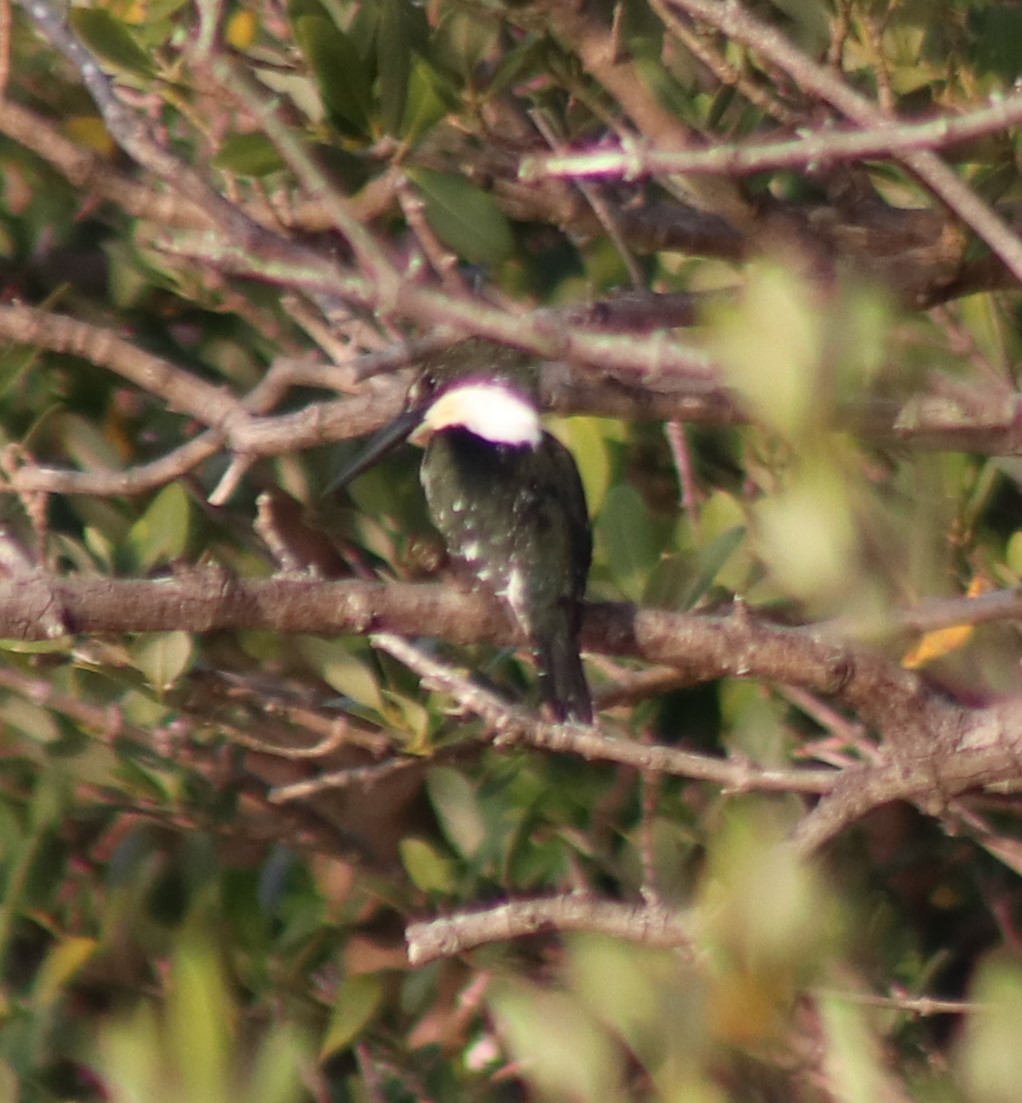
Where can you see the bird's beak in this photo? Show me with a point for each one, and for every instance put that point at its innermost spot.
(380, 445)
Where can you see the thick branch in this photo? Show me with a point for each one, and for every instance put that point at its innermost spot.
(455, 934)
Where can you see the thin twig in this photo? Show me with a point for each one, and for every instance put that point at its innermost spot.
(811, 149)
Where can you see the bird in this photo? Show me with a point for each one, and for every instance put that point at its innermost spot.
(507, 498)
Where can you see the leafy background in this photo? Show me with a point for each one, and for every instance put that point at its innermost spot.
(169, 930)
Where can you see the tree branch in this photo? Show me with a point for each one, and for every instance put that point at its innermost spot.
(456, 934)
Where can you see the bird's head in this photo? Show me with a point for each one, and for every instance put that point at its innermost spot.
(483, 388)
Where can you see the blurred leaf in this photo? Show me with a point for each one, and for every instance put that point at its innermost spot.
(277, 1073)
(463, 217)
(163, 657)
(33, 720)
(528, 56)
(338, 667)
(240, 29)
(989, 1056)
(712, 560)
(806, 534)
(111, 40)
(770, 344)
(358, 1000)
(90, 131)
(998, 31)
(853, 1055)
(161, 534)
(199, 1021)
(248, 155)
(429, 871)
(457, 808)
(340, 72)
(84, 442)
(61, 964)
(561, 1050)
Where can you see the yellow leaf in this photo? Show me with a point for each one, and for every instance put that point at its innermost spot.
(944, 641)
(61, 965)
(90, 131)
(241, 29)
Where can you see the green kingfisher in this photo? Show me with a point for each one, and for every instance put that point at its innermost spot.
(506, 497)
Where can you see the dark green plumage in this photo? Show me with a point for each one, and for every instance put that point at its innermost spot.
(517, 516)
(511, 507)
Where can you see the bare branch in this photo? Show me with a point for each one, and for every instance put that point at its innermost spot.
(810, 150)
(456, 934)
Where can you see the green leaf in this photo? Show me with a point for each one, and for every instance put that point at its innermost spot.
(163, 657)
(464, 217)
(393, 63)
(161, 533)
(627, 531)
(111, 40)
(998, 32)
(340, 73)
(198, 1022)
(463, 39)
(338, 667)
(30, 719)
(429, 871)
(248, 155)
(358, 1000)
(588, 441)
(712, 559)
(457, 808)
(429, 101)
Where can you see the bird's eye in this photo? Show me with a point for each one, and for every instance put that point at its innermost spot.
(426, 387)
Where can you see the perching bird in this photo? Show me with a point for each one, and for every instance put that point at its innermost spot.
(507, 498)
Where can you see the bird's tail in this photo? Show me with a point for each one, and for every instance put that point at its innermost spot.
(562, 680)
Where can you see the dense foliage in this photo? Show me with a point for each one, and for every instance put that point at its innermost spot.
(280, 817)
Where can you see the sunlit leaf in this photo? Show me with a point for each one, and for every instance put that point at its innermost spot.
(163, 657)
(338, 667)
(161, 534)
(989, 1057)
(358, 1000)
(457, 807)
(429, 871)
(240, 29)
(945, 641)
(61, 964)
(30, 719)
(199, 1022)
(592, 457)
(770, 345)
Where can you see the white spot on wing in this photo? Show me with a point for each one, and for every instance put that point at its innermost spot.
(515, 592)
